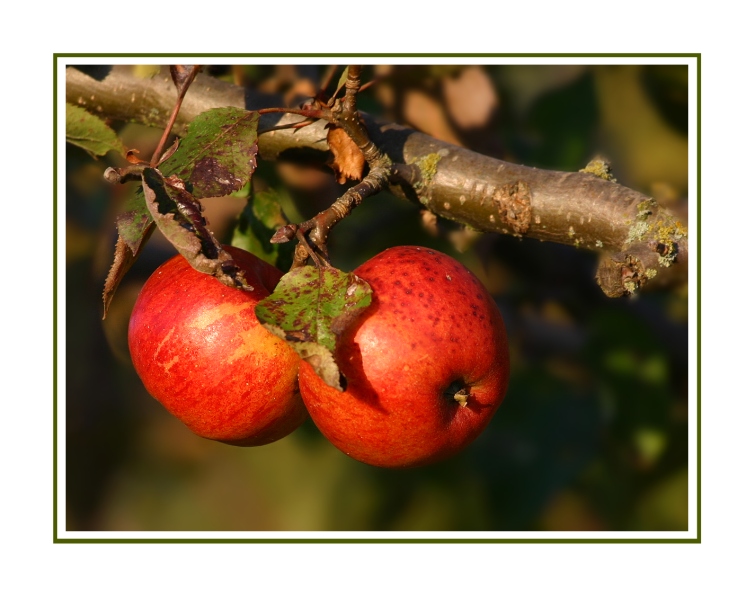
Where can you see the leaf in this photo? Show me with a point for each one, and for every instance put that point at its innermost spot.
(218, 154)
(348, 159)
(90, 133)
(178, 216)
(134, 222)
(183, 75)
(259, 220)
(311, 308)
(342, 80)
(122, 261)
(132, 157)
(216, 158)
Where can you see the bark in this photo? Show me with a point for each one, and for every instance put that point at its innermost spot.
(642, 244)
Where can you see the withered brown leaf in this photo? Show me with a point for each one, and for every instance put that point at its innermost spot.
(348, 160)
(123, 259)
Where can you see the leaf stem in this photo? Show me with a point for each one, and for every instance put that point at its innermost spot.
(182, 86)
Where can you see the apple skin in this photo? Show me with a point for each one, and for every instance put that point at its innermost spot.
(199, 350)
(431, 328)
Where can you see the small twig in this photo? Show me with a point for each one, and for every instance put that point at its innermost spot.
(371, 83)
(315, 113)
(318, 259)
(353, 83)
(313, 233)
(116, 176)
(299, 125)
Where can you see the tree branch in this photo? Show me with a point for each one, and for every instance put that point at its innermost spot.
(643, 243)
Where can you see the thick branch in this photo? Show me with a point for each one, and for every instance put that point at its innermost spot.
(643, 243)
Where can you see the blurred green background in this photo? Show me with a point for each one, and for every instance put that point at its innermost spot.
(593, 433)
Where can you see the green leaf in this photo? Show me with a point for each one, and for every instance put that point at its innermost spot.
(311, 308)
(257, 223)
(342, 80)
(90, 133)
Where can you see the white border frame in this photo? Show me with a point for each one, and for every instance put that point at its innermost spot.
(693, 227)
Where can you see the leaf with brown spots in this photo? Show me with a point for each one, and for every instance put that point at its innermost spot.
(310, 308)
(218, 154)
(178, 216)
(348, 160)
(216, 158)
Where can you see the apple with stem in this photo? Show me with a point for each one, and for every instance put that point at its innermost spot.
(426, 365)
(199, 349)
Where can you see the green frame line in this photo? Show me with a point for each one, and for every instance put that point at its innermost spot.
(305, 540)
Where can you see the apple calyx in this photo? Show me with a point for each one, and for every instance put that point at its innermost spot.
(457, 391)
(461, 397)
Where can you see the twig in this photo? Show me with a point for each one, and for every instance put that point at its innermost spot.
(314, 232)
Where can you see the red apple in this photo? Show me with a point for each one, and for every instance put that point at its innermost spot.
(426, 365)
(200, 350)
